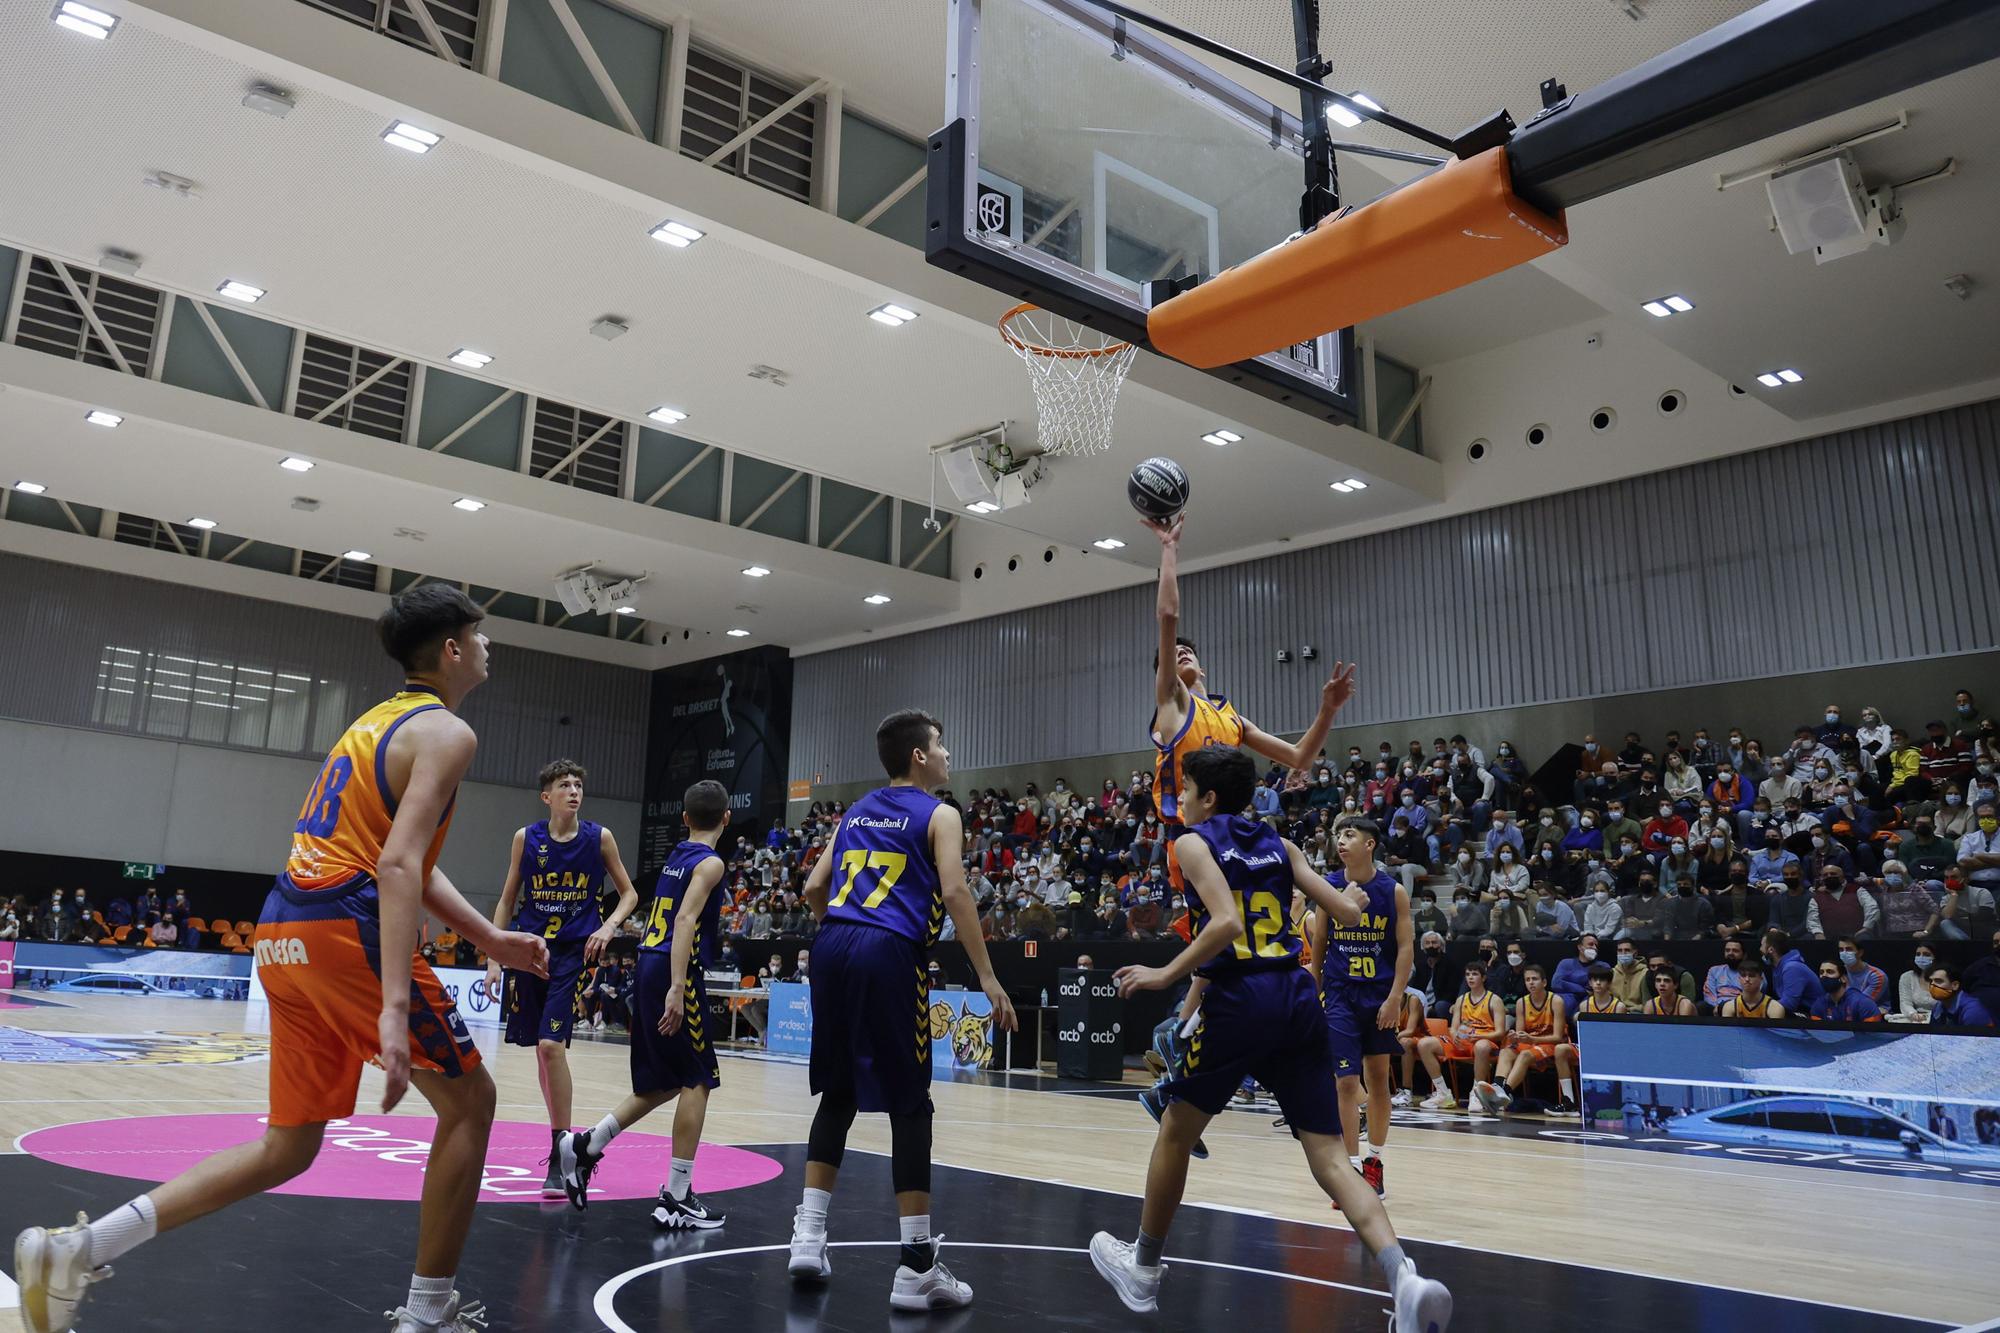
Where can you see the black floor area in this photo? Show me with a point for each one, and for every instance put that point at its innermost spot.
(332, 1264)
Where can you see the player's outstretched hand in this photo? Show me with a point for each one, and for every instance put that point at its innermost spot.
(392, 1030)
(521, 951)
(1136, 978)
(494, 985)
(599, 941)
(1004, 1017)
(1339, 687)
(1168, 532)
(671, 1015)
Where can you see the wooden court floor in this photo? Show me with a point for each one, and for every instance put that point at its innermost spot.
(1897, 1245)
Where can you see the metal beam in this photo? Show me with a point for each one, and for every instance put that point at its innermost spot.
(771, 499)
(673, 96)
(826, 155)
(1409, 412)
(848, 531)
(236, 550)
(581, 446)
(932, 544)
(675, 480)
(90, 315)
(420, 10)
(894, 197)
(598, 74)
(70, 514)
(228, 351)
(765, 122)
(172, 536)
(492, 38)
(1056, 219)
(362, 387)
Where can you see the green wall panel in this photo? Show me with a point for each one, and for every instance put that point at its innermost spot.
(452, 400)
(538, 58)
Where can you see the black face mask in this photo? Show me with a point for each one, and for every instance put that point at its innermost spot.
(1432, 951)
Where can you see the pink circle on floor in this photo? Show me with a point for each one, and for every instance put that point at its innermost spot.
(382, 1157)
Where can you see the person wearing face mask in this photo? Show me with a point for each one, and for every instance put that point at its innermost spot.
(1686, 912)
(1832, 732)
(1681, 782)
(1602, 912)
(1740, 907)
(1979, 850)
(1467, 918)
(1949, 811)
(1906, 903)
(1914, 1000)
(1645, 910)
(1619, 825)
(1926, 854)
(1629, 981)
(1768, 866)
(1584, 841)
(1825, 852)
(1508, 877)
(1572, 978)
(1955, 1007)
(1865, 978)
(1946, 755)
(1430, 973)
(1841, 907)
(1554, 919)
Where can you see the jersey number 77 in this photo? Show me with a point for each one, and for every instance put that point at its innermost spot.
(888, 867)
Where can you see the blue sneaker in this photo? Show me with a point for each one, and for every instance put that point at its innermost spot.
(1155, 1103)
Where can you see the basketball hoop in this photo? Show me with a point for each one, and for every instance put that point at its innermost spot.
(1076, 373)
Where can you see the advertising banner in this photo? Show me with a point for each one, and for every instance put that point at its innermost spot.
(465, 985)
(727, 718)
(790, 1029)
(961, 1026)
(1090, 1026)
(6, 964)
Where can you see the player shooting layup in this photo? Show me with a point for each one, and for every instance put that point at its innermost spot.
(336, 949)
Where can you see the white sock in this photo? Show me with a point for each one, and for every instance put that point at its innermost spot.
(680, 1176)
(1568, 1089)
(1371, 1150)
(915, 1231)
(603, 1132)
(120, 1232)
(812, 1211)
(429, 1297)
(1354, 1162)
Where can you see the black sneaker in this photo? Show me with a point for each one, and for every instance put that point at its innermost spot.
(552, 1184)
(1568, 1107)
(578, 1162)
(689, 1213)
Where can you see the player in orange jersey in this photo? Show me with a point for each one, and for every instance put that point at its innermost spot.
(336, 950)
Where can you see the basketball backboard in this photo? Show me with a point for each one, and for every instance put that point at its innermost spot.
(1084, 157)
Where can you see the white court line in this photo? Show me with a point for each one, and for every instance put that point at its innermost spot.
(605, 1307)
(1986, 1327)
(10, 1295)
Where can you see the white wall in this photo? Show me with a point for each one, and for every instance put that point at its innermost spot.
(70, 792)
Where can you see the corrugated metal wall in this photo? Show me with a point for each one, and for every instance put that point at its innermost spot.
(1869, 546)
(63, 621)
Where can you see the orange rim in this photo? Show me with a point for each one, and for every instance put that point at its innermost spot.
(1027, 348)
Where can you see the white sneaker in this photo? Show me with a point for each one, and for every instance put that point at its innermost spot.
(1422, 1305)
(933, 1289)
(457, 1319)
(1117, 1262)
(1440, 1100)
(809, 1261)
(1401, 1101)
(1482, 1093)
(1502, 1098)
(53, 1270)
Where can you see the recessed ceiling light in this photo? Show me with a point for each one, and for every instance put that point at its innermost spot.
(677, 234)
(409, 138)
(82, 18)
(626, 610)
(296, 464)
(30, 487)
(99, 417)
(756, 571)
(738, 633)
(356, 555)
(895, 316)
(1770, 381)
(241, 291)
(1340, 486)
(1356, 484)
(469, 505)
(667, 416)
(1657, 309)
(1790, 376)
(470, 359)
(1680, 305)
(203, 523)
(1346, 119)
(1219, 437)
(1108, 544)
(876, 599)
(983, 507)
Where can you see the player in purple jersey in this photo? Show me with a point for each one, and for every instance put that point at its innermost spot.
(1363, 970)
(554, 880)
(895, 868)
(671, 1053)
(1260, 1017)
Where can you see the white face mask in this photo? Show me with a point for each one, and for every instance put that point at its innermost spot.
(1465, 858)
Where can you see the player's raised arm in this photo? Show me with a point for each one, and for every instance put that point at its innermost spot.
(1170, 695)
(1222, 929)
(628, 897)
(503, 911)
(700, 885)
(440, 751)
(948, 851)
(1344, 906)
(1333, 696)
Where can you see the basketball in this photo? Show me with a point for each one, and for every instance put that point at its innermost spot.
(1158, 488)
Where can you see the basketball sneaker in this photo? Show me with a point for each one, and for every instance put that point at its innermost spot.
(1423, 1305)
(933, 1289)
(457, 1319)
(1567, 1107)
(1371, 1171)
(1401, 1101)
(1492, 1098)
(809, 1261)
(574, 1165)
(1155, 1065)
(1117, 1262)
(1440, 1100)
(1155, 1103)
(689, 1213)
(52, 1268)
(552, 1185)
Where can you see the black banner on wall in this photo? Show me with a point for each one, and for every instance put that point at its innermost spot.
(727, 718)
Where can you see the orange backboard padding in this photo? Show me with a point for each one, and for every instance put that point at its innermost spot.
(1440, 232)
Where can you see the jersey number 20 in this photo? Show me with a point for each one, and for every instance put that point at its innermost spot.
(889, 867)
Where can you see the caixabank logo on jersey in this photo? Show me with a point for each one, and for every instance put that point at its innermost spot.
(18, 1046)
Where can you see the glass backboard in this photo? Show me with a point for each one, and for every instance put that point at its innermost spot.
(1085, 157)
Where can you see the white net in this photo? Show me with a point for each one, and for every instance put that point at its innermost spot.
(1076, 373)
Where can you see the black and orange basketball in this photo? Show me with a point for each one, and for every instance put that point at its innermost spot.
(1158, 488)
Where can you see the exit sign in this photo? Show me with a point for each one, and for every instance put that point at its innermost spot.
(140, 870)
